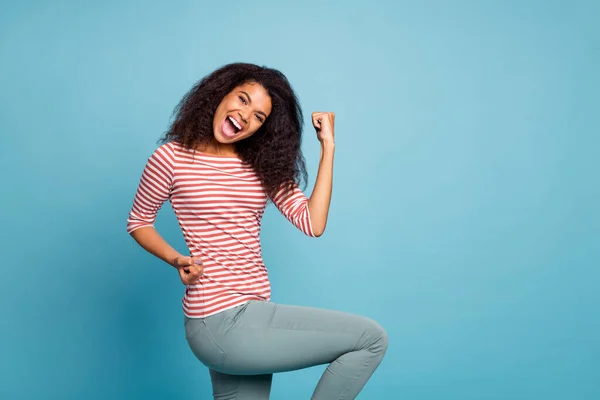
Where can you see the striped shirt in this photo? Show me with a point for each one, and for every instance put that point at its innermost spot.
(219, 203)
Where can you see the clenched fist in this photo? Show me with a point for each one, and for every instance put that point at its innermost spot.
(190, 269)
(323, 123)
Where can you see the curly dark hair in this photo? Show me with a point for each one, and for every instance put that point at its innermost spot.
(274, 151)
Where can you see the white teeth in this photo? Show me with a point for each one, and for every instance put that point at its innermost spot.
(234, 122)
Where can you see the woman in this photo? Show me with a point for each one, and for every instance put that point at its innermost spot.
(234, 145)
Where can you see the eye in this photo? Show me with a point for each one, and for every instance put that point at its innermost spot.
(258, 117)
(242, 99)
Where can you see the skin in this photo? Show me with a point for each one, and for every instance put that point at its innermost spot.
(250, 105)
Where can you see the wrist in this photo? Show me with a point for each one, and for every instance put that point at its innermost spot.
(328, 145)
(172, 260)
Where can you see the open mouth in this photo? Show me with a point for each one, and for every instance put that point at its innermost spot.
(231, 127)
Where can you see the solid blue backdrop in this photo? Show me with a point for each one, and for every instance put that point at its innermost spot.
(465, 209)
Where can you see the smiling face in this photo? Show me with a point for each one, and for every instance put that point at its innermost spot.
(241, 113)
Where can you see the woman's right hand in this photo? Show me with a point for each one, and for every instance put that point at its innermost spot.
(190, 269)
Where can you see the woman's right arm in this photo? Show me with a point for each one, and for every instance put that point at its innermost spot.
(189, 269)
(153, 190)
(151, 241)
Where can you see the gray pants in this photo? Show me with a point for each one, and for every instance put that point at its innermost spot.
(245, 345)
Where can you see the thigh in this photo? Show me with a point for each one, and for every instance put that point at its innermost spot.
(240, 387)
(266, 337)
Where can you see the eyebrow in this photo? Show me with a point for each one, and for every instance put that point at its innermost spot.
(250, 101)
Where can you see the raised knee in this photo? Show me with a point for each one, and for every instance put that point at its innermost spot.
(378, 336)
(382, 339)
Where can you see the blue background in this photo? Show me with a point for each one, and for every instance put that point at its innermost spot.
(465, 210)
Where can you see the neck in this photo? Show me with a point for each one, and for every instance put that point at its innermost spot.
(218, 149)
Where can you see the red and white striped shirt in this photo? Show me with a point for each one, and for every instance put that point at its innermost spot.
(219, 203)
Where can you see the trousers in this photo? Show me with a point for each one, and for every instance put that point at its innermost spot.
(244, 346)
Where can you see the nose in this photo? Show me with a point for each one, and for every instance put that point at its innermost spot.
(243, 117)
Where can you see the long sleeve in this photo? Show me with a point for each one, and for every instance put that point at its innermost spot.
(153, 190)
(293, 204)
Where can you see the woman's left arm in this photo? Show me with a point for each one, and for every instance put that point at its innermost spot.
(318, 203)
